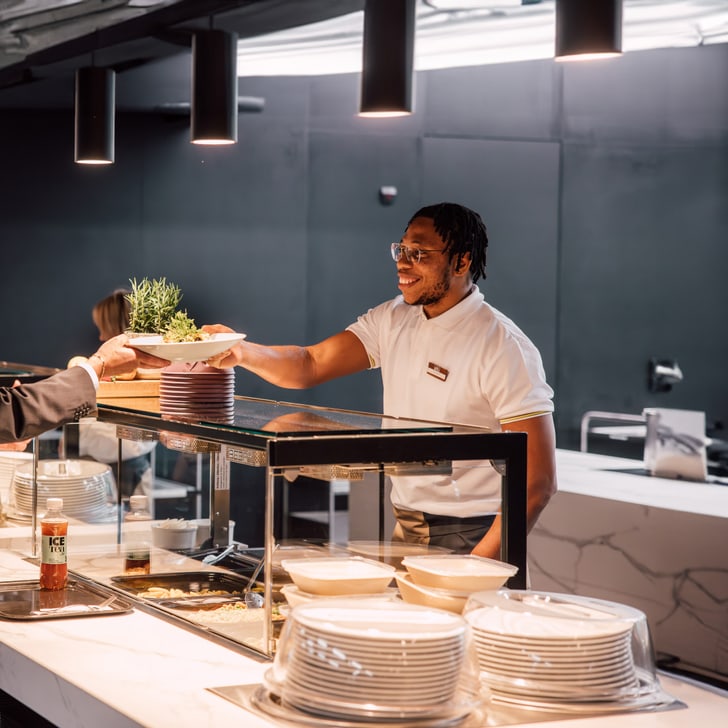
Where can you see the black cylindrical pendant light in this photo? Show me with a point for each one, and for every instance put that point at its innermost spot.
(214, 118)
(94, 115)
(588, 29)
(388, 58)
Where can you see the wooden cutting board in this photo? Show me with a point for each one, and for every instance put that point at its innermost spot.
(128, 388)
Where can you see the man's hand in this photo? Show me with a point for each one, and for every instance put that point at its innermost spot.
(15, 446)
(116, 356)
(228, 358)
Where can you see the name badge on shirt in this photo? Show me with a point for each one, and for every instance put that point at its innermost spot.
(435, 370)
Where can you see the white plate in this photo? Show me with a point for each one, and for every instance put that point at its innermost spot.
(185, 350)
(389, 621)
(554, 629)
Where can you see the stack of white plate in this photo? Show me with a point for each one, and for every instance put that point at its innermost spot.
(197, 391)
(552, 651)
(9, 460)
(86, 486)
(379, 660)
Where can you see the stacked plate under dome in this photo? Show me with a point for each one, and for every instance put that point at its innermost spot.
(562, 652)
(364, 660)
(197, 391)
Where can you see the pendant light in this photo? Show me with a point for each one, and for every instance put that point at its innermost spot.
(586, 30)
(214, 108)
(94, 115)
(388, 58)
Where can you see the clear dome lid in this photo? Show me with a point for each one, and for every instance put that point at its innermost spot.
(562, 652)
(372, 659)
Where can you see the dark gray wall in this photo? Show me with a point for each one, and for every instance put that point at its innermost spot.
(603, 186)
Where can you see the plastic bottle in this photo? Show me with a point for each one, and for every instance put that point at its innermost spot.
(137, 536)
(53, 556)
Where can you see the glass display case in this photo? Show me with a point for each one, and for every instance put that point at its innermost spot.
(282, 442)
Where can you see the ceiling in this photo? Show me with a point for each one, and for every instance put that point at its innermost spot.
(43, 42)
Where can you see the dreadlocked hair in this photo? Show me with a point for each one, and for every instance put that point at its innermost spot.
(462, 230)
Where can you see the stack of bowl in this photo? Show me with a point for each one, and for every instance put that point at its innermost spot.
(338, 576)
(446, 581)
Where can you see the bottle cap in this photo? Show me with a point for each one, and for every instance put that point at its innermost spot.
(138, 502)
(55, 503)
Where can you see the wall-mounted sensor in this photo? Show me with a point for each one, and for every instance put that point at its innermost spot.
(662, 374)
(387, 194)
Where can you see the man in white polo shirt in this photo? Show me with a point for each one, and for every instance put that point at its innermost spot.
(445, 355)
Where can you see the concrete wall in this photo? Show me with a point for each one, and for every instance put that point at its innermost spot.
(603, 187)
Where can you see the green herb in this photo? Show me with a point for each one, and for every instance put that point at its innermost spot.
(153, 304)
(182, 328)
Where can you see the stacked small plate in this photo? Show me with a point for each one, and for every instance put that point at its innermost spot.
(86, 487)
(9, 460)
(375, 660)
(197, 391)
(553, 651)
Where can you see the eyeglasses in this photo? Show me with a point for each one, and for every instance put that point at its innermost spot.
(412, 255)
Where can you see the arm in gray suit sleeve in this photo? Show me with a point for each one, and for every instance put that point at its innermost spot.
(30, 409)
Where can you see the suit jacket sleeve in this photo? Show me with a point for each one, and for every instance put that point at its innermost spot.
(30, 409)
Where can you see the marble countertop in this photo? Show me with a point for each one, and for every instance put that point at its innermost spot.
(603, 476)
(137, 669)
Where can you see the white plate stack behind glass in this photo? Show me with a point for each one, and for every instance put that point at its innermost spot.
(87, 487)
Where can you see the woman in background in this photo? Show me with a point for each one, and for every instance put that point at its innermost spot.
(111, 314)
(97, 440)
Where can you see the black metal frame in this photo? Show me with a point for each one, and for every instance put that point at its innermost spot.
(410, 444)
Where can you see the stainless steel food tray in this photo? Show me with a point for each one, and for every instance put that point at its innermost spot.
(194, 584)
(25, 600)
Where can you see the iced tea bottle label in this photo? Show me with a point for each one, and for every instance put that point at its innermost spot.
(53, 549)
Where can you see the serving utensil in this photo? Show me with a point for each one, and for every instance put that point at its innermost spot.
(214, 558)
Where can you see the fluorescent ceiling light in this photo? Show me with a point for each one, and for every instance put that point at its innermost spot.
(455, 33)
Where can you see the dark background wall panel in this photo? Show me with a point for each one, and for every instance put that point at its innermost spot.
(514, 186)
(603, 187)
(514, 100)
(667, 97)
(350, 230)
(640, 279)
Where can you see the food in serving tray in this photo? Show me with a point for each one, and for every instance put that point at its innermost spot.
(160, 592)
(234, 613)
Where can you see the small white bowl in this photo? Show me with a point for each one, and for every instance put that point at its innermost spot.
(339, 576)
(429, 596)
(174, 537)
(461, 572)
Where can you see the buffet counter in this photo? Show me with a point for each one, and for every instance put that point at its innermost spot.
(137, 669)
(613, 532)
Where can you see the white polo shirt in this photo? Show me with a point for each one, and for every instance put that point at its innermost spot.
(470, 365)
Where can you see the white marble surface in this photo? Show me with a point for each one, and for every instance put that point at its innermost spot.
(139, 670)
(656, 544)
(604, 476)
